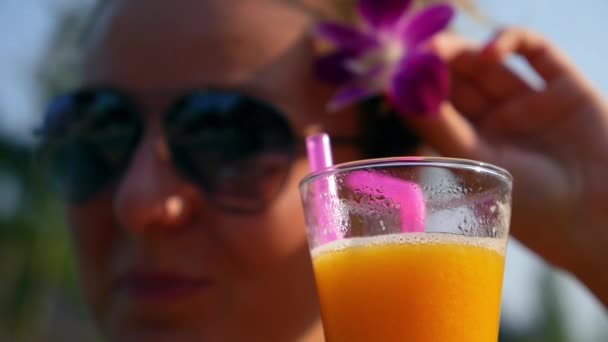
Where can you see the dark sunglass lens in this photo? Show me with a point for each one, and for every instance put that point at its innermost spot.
(237, 149)
(87, 140)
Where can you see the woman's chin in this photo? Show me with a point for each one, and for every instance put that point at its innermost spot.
(158, 331)
(156, 319)
(155, 335)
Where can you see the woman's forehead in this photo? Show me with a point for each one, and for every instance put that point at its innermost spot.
(173, 44)
(258, 46)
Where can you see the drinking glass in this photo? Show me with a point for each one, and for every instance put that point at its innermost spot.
(408, 249)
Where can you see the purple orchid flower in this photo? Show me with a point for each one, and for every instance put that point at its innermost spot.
(387, 56)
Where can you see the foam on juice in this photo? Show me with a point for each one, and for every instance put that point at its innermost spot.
(494, 244)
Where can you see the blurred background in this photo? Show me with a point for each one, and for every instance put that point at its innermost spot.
(39, 295)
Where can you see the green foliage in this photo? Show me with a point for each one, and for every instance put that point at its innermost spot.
(36, 264)
(34, 246)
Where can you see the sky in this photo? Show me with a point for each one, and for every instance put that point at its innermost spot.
(26, 27)
(578, 27)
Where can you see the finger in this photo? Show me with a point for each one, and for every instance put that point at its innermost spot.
(530, 112)
(462, 56)
(449, 46)
(451, 134)
(494, 79)
(498, 81)
(468, 99)
(542, 56)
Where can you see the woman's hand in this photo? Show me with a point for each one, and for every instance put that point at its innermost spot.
(554, 141)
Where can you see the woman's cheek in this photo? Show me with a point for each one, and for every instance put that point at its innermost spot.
(93, 234)
(265, 239)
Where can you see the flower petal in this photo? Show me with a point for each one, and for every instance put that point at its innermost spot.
(333, 68)
(419, 85)
(359, 89)
(345, 37)
(349, 94)
(382, 14)
(426, 23)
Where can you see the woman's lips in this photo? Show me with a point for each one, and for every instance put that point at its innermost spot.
(160, 286)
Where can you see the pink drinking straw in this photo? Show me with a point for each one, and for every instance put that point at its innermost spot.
(407, 197)
(318, 148)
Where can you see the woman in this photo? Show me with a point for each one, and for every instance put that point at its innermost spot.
(159, 259)
(183, 234)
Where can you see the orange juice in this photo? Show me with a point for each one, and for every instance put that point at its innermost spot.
(414, 287)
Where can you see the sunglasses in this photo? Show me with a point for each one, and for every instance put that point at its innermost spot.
(238, 150)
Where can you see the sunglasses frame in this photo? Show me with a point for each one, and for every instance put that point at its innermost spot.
(127, 97)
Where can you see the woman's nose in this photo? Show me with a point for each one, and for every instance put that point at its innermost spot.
(151, 196)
